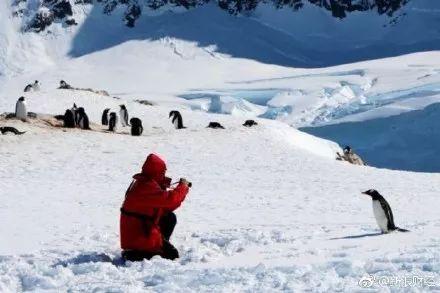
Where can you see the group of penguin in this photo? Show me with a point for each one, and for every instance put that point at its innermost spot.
(76, 117)
(111, 120)
(32, 87)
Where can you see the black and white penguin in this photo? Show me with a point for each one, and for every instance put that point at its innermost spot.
(113, 121)
(215, 125)
(123, 114)
(74, 110)
(250, 123)
(136, 126)
(69, 119)
(36, 86)
(6, 129)
(104, 119)
(20, 109)
(176, 119)
(83, 119)
(28, 88)
(382, 212)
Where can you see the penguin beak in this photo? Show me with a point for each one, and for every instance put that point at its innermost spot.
(365, 192)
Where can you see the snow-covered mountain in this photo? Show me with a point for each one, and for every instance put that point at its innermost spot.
(310, 36)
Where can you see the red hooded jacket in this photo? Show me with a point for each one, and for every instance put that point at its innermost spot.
(147, 196)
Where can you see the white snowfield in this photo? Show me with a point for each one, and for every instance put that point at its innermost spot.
(270, 208)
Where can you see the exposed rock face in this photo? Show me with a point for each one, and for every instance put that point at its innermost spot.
(50, 11)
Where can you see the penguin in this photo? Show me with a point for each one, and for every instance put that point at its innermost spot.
(28, 88)
(83, 119)
(36, 86)
(7, 129)
(123, 114)
(176, 119)
(104, 119)
(74, 110)
(249, 123)
(65, 85)
(382, 212)
(20, 109)
(113, 122)
(136, 126)
(215, 125)
(69, 119)
(59, 117)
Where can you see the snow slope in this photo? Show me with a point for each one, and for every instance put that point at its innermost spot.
(399, 142)
(270, 208)
(172, 68)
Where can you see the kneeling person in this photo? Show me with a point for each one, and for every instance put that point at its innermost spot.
(147, 218)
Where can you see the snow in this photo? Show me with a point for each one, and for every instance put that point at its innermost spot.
(398, 142)
(270, 208)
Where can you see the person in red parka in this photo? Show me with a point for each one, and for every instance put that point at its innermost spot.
(147, 218)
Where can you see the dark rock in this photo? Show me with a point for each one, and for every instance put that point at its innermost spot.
(132, 13)
(40, 22)
(58, 10)
(145, 102)
(71, 21)
(61, 8)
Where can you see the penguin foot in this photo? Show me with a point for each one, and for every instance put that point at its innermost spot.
(401, 230)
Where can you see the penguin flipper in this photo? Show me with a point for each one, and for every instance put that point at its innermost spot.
(388, 213)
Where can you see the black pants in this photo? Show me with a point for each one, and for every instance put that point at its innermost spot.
(166, 224)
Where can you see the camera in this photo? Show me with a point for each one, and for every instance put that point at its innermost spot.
(189, 183)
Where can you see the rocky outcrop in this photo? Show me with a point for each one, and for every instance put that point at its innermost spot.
(51, 11)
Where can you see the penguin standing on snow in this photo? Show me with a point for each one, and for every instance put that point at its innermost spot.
(104, 119)
(136, 126)
(113, 121)
(382, 212)
(20, 109)
(176, 119)
(74, 110)
(83, 119)
(123, 113)
(69, 119)
(36, 86)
